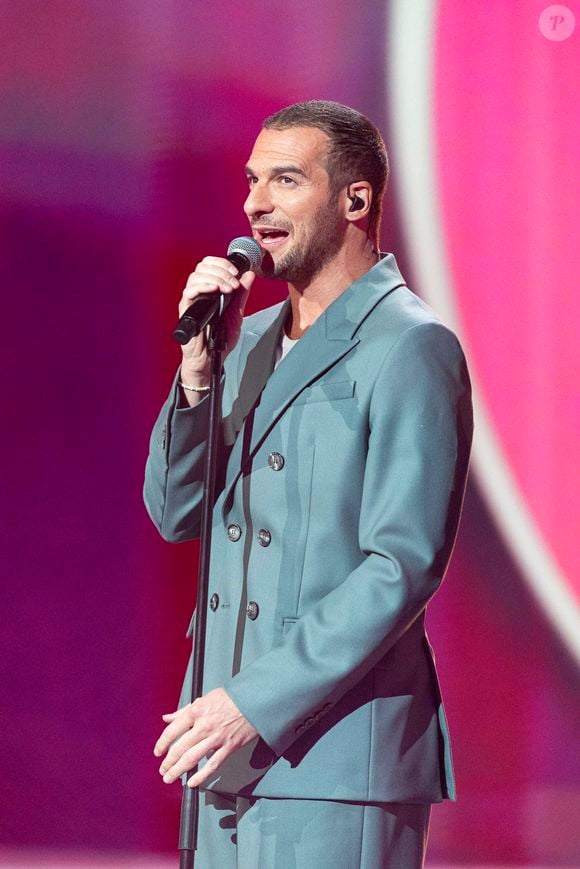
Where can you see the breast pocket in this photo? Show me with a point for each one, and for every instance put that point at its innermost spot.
(332, 390)
(288, 624)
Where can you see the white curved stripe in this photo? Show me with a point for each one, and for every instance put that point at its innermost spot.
(410, 60)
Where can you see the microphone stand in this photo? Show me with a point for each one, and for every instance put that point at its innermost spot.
(215, 342)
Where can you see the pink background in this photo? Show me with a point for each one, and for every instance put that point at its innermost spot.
(508, 145)
(124, 130)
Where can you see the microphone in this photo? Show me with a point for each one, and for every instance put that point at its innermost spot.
(246, 255)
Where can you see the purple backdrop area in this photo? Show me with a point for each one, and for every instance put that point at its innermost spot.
(124, 130)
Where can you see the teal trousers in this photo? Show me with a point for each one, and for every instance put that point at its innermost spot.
(259, 833)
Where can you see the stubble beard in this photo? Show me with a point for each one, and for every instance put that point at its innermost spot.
(301, 264)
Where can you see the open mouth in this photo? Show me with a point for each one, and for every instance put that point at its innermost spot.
(270, 236)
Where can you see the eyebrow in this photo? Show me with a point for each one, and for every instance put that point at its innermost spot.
(279, 170)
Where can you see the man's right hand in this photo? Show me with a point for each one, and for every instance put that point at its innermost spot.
(212, 274)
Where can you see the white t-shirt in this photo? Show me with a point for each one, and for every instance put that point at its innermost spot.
(284, 347)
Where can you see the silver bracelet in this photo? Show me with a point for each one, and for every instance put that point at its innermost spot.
(193, 388)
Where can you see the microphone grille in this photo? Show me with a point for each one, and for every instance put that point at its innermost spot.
(249, 248)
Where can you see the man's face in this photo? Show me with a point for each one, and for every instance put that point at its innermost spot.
(289, 207)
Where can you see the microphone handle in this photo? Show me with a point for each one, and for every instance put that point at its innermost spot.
(204, 307)
(196, 317)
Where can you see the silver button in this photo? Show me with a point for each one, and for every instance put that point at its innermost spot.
(264, 537)
(276, 461)
(234, 532)
(252, 610)
(214, 602)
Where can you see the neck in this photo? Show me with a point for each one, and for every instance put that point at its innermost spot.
(310, 299)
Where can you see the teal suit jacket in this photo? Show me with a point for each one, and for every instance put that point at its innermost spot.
(371, 413)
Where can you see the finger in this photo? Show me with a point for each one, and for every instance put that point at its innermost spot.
(240, 298)
(189, 759)
(178, 747)
(169, 716)
(225, 284)
(227, 271)
(190, 294)
(218, 262)
(203, 285)
(182, 722)
(170, 735)
(213, 273)
(210, 768)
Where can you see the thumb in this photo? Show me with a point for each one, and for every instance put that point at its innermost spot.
(247, 279)
(241, 296)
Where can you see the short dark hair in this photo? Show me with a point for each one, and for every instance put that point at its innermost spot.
(357, 151)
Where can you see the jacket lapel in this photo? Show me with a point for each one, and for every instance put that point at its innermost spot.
(331, 337)
(257, 360)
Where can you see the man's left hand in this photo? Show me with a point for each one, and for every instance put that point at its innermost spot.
(210, 726)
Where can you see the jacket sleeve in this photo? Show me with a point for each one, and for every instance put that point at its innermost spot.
(173, 487)
(420, 422)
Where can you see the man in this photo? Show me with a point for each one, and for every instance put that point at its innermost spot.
(343, 468)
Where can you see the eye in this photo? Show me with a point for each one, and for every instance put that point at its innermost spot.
(286, 180)
(251, 180)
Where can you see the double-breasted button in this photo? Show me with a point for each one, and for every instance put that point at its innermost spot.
(252, 610)
(214, 602)
(264, 537)
(276, 461)
(234, 532)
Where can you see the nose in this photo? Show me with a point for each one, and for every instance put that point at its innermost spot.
(258, 201)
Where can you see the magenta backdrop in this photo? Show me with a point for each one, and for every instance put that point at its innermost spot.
(510, 178)
(124, 129)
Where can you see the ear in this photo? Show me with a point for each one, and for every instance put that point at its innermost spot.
(358, 198)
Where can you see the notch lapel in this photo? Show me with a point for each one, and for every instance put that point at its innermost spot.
(330, 338)
(257, 359)
(307, 361)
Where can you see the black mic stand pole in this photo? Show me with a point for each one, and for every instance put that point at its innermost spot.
(215, 342)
